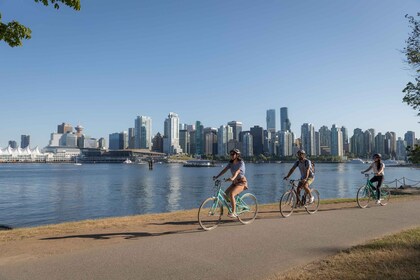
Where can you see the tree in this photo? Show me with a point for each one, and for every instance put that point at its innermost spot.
(412, 53)
(13, 32)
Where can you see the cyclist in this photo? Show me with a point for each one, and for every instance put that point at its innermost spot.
(239, 182)
(306, 174)
(378, 174)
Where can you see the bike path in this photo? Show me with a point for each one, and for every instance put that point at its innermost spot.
(232, 251)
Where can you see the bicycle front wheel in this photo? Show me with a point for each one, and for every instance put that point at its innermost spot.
(247, 208)
(287, 203)
(210, 213)
(385, 196)
(363, 196)
(311, 208)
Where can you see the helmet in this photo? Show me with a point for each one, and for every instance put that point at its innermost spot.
(236, 151)
(377, 155)
(301, 152)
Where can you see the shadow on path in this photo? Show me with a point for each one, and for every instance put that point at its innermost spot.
(4, 227)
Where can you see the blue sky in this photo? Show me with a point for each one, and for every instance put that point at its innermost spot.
(329, 62)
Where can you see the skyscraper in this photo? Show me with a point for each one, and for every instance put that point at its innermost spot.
(64, 128)
(143, 133)
(271, 120)
(236, 129)
(284, 120)
(172, 134)
(257, 133)
(308, 139)
(25, 141)
(410, 139)
(336, 141)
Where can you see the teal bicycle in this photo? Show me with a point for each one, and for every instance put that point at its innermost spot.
(211, 210)
(367, 193)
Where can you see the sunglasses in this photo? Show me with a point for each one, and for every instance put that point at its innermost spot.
(232, 154)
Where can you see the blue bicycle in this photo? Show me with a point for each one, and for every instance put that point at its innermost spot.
(367, 192)
(211, 210)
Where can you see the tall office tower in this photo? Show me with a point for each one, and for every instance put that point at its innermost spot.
(257, 133)
(192, 142)
(380, 143)
(271, 120)
(131, 138)
(284, 119)
(118, 141)
(143, 132)
(157, 143)
(102, 143)
(237, 129)
(199, 138)
(357, 143)
(25, 141)
(346, 146)
(270, 142)
(184, 140)
(390, 144)
(12, 144)
(336, 141)
(64, 128)
(172, 134)
(308, 139)
(224, 134)
(286, 140)
(401, 152)
(369, 143)
(247, 144)
(410, 139)
(210, 141)
(325, 140)
(79, 130)
(317, 147)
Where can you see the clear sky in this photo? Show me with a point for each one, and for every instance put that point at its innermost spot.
(329, 62)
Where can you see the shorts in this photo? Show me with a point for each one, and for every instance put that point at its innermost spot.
(240, 182)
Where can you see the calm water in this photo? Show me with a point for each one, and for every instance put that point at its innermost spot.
(37, 194)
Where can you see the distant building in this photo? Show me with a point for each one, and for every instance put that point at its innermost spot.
(64, 128)
(12, 144)
(271, 120)
(284, 120)
(143, 132)
(25, 141)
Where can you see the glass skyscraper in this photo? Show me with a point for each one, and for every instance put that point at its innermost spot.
(284, 120)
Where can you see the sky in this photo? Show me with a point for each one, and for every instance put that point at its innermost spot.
(328, 62)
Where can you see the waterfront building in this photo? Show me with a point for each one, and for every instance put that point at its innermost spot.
(236, 129)
(410, 139)
(308, 139)
(271, 120)
(118, 141)
(247, 144)
(143, 132)
(26, 154)
(325, 137)
(13, 144)
(285, 124)
(224, 134)
(285, 143)
(171, 126)
(157, 143)
(102, 143)
(184, 140)
(210, 141)
(336, 141)
(64, 128)
(131, 138)
(199, 138)
(257, 133)
(25, 141)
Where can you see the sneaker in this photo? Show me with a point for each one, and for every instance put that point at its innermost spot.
(378, 201)
(232, 215)
(311, 200)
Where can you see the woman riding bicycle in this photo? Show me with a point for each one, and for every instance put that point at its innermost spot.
(306, 173)
(378, 171)
(239, 183)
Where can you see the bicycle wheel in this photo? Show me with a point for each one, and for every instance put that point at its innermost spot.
(385, 196)
(210, 213)
(311, 208)
(247, 208)
(287, 202)
(363, 196)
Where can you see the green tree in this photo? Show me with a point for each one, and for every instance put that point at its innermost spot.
(413, 154)
(13, 32)
(412, 53)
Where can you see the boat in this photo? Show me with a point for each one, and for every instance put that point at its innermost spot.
(127, 161)
(76, 162)
(199, 163)
(356, 161)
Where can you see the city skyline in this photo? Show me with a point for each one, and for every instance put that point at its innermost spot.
(327, 62)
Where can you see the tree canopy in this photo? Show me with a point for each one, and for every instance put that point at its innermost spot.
(13, 32)
(412, 53)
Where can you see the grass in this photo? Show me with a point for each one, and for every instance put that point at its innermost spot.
(392, 257)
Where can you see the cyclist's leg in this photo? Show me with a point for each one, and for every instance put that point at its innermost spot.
(378, 186)
(306, 186)
(235, 189)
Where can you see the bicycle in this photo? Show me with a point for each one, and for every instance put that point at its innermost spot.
(367, 192)
(289, 200)
(211, 209)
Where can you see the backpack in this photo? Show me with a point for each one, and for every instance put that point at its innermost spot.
(312, 167)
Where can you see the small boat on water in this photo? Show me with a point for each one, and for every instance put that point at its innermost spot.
(199, 163)
(357, 161)
(127, 161)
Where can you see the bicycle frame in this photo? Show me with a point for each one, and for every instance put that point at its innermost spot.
(368, 192)
(220, 196)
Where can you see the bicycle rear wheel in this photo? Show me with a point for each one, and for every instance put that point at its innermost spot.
(363, 196)
(311, 208)
(287, 202)
(247, 208)
(210, 213)
(385, 195)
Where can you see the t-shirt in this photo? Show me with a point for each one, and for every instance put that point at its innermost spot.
(303, 167)
(235, 166)
(375, 169)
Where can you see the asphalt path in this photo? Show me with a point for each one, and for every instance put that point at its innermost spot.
(231, 251)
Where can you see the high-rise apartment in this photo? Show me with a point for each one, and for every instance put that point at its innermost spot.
(236, 129)
(25, 141)
(336, 141)
(143, 132)
(308, 139)
(171, 146)
(224, 134)
(64, 128)
(410, 139)
(284, 120)
(257, 133)
(271, 120)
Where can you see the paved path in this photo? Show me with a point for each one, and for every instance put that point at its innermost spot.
(232, 251)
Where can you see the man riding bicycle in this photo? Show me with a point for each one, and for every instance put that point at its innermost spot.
(306, 174)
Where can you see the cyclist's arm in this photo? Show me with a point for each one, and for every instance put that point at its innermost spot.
(235, 175)
(369, 168)
(290, 172)
(221, 172)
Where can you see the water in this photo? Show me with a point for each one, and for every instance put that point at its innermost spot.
(39, 194)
